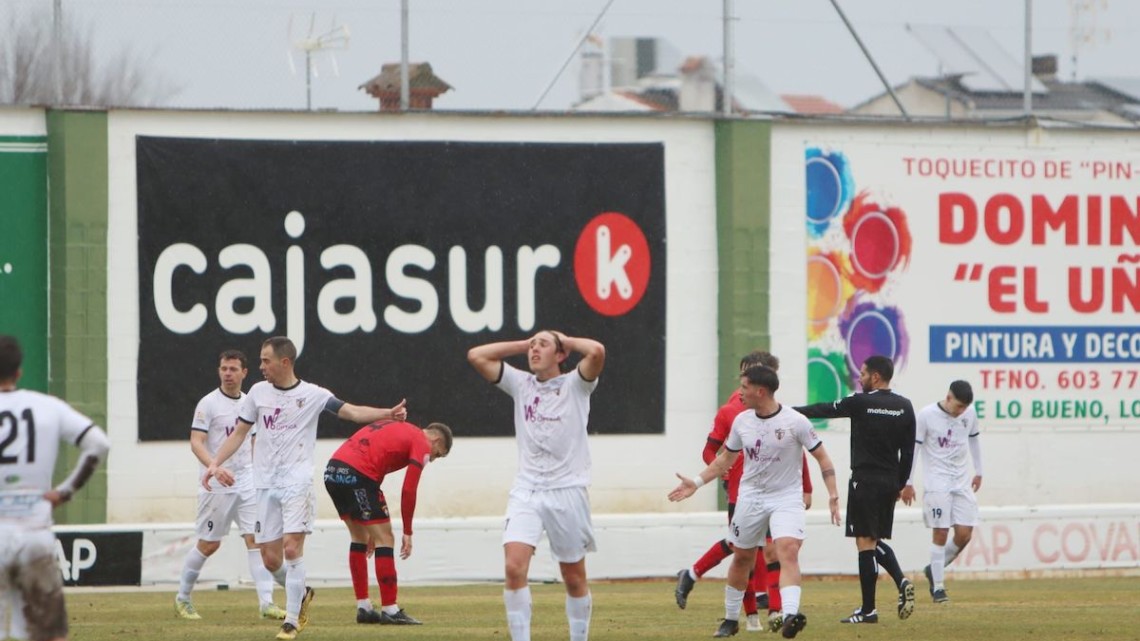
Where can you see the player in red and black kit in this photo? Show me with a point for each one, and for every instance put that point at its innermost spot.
(353, 478)
(765, 578)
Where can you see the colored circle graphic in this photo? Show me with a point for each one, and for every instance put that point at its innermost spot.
(824, 190)
(870, 333)
(825, 289)
(824, 382)
(874, 245)
(612, 264)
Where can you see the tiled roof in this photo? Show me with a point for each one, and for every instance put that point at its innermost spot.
(420, 77)
(809, 104)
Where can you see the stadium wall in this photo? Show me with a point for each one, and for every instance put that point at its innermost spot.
(1037, 463)
(631, 472)
(1011, 542)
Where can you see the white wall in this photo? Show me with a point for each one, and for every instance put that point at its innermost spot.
(21, 121)
(1027, 464)
(1013, 541)
(156, 482)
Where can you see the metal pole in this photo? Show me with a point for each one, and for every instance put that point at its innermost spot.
(405, 84)
(1028, 96)
(729, 59)
(57, 49)
(308, 81)
(867, 54)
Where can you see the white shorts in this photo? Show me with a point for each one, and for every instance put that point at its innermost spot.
(30, 574)
(217, 510)
(753, 518)
(942, 510)
(284, 510)
(565, 515)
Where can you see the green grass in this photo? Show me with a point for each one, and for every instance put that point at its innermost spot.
(1099, 609)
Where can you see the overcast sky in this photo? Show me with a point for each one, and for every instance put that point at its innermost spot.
(502, 54)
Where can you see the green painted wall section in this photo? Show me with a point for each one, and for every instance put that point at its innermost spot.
(23, 252)
(77, 254)
(743, 171)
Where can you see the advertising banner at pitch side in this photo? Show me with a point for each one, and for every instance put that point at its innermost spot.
(1016, 268)
(386, 261)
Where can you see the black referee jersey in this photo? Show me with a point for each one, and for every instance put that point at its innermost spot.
(882, 432)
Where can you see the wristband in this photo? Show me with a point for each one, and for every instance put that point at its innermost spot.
(698, 481)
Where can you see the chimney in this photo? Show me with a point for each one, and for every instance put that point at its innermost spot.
(1045, 67)
(698, 85)
(592, 75)
(424, 86)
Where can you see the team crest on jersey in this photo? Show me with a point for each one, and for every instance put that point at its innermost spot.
(300, 403)
(780, 433)
(199, 416)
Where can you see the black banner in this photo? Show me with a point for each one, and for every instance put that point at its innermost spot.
(386, 261)
(100, 558)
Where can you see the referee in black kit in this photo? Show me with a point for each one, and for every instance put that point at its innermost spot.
(882, 448)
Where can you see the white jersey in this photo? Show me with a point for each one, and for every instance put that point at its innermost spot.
(773, 452)
(216, 415)
(944, 441)
(286, 424)
(31, 428)
(550, 426)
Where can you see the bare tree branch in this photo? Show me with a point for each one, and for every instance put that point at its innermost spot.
(26, 71)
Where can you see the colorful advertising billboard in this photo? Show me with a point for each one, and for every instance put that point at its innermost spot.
(1015, 268)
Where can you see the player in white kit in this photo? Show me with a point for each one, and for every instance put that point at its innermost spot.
(944, 431)
(549, 493)
(285, 410)
(214, 418)
(772, 438)
(32, 425)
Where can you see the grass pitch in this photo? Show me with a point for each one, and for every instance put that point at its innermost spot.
(1098, 609)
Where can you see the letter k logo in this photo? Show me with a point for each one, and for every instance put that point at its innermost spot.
(611, 265)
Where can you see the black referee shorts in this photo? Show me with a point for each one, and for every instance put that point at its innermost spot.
(871, 506)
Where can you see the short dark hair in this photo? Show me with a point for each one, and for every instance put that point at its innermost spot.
(443, 431)
(962, 391)
(881, 365)
(759, 357)
(282, 347)
(234, 355)
(11, 357)
(763, 376)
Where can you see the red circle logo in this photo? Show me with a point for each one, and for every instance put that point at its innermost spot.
(611, 264)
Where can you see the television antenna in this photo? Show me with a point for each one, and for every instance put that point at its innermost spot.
(311, 43)
(1084, 32)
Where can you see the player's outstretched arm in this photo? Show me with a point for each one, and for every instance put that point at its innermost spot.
(715, 470)
(365, 414)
